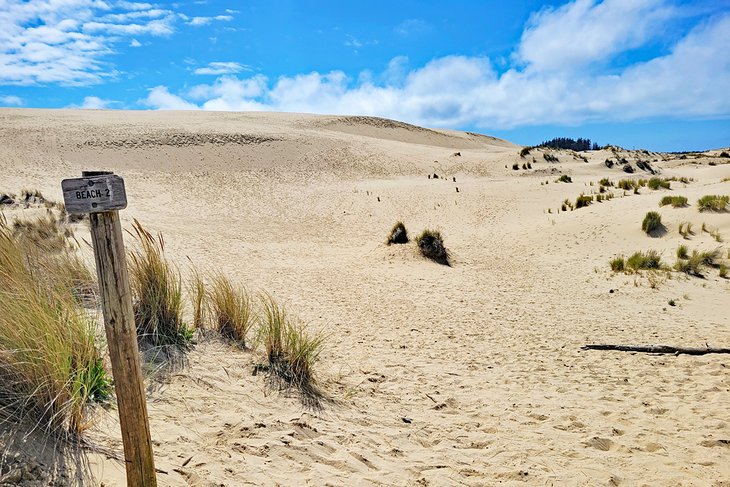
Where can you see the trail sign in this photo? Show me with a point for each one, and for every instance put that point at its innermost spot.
(101, 194)
(96, 192)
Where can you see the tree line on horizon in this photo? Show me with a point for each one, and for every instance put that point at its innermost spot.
(573, 144)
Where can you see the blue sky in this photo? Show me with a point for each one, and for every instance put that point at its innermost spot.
(638, 73)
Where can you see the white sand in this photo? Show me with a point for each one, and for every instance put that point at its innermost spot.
(483, 358)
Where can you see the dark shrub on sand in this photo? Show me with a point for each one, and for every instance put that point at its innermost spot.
(398, 234)
(431, 245)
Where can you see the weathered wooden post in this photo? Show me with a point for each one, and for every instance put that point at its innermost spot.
(102, 194)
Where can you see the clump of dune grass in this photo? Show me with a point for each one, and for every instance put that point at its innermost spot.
(231, 309)
(156, 293)
(198, 295)
(627, 184)
(618, 264)
(398, 234)
(291, 349)
(656, 183)
(685, 229)
(431, 245)
(713, 202)
(649, 260)
(682, 252)
(691, 265)
(652, 223)
(605, 182)
(583, 200)
(675, 201)
(723, 271)
(50, 367)
(564, 178)
(44, 232)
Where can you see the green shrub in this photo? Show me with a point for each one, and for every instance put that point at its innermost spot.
(713, 202)
(564, 178)
(692, 265)
(231, 310)
(156, 293)
(618, 264)
(398, 234)
(582, 201)
(675, 201)
(685, 229)
(656, 183)
(431, 245)
(652, 223)
(605, 182)
(644, 260)
(723, 271)
(682, 252)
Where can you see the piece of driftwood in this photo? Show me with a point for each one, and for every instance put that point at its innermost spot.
(657, 349)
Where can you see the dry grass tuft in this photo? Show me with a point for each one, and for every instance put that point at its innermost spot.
(231, 309)
(50, 367)
(157, 293)
(291, 350)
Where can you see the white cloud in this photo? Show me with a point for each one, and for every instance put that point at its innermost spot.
(160, 98)
(410, 27)
(585, 32)
(95, 103)
(199, 21)
(11, 101)
(218, 68)
(66, 41)
(135, 43)
(691, 80)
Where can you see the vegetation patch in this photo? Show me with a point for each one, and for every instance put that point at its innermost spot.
(431, 245)
(583, 200)
(564, 179)
(51, 369)
(398, 234)
(675, 201)
(649, 260)
(232, 310)
(713, 202)
(652, 223)
(291, 350)
(156, 293)
(657, 183)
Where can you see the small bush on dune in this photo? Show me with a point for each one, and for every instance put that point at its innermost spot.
(156, 293)
(431, 245)
(652, 223)
(723, 271)
(50, 367)
(291, 350)
(564, 179)
(675, 201)
(682, 252)
(692, 265)
(231, 309)
(605, 182)
(713, 202)
(582, 201)
(644, 261)
(618, 264)
(656, 183)
(398, 234)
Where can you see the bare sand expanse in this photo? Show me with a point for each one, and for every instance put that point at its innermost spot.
(464, 375)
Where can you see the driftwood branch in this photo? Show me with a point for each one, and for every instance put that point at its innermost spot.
(657, 349)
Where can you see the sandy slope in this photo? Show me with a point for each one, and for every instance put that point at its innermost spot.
(462, 375)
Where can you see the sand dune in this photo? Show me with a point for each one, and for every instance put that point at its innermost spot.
(464, 375)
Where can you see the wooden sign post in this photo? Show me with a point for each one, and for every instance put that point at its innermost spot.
(102, 194)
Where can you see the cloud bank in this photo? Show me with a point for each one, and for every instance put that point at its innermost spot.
(557, 75)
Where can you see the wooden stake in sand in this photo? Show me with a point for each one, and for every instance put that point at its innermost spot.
(102, 194)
